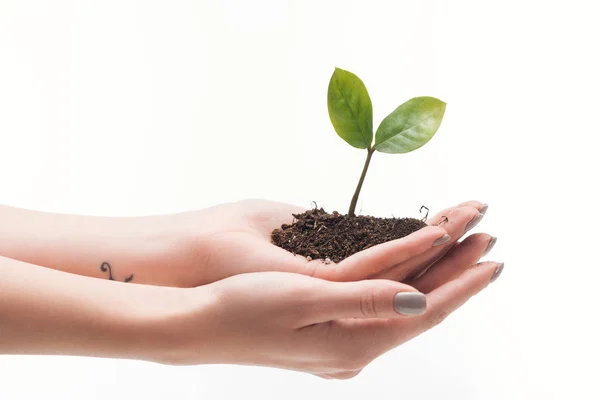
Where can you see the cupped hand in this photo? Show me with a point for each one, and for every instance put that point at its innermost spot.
(235, 238)
(297, 322)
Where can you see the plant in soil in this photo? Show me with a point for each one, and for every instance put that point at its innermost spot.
(333, 237)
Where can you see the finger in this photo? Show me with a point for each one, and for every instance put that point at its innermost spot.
(440, 303)
(456, 222)
(455, 262)
(481, 207)
(362, 299)
(383, 256)
(450, 296)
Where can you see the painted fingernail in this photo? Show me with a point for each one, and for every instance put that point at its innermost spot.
(442, 240)
(484, 208)
(490, 246)
(474, 222)
(497, 272)
(410, 303)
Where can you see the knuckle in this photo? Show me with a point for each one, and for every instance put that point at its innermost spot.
(368, 304)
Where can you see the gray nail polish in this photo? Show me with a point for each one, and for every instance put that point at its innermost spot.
(497, 272)
(442, 240)
(474, 222)
(484, 208)
(490, 246)
(410, 303)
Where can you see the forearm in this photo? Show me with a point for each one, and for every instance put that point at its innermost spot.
(139, 249)
(43, 311)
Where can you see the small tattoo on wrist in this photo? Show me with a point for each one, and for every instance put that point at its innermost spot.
(106, 267)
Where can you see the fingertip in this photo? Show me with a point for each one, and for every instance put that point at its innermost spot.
(482, 271)
(376, 298)
(497, 272)
(480, 238)
(410, 303)
(469, 209)
(436, 235)
(441, 240)
(456, 292)
(474, 203)
(466, 217)
(406, 299)
(432, 230)
(483, 209)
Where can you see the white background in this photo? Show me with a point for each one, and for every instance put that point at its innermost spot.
(144, 107)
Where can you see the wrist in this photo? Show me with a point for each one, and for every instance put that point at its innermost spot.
(171, 251)
(172, 326)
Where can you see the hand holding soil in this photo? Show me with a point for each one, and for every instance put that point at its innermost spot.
(255, 303)
(258, 282)
(235, 238)
(200, 247)
(294, 320)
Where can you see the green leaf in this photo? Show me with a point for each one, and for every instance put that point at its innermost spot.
(350, 109)
(410, 126)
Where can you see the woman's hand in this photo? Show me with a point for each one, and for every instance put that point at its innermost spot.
(291, 321)
(235, 238)
(285, 320)
(200, 247)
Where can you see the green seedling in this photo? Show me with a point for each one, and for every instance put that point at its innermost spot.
(407, 128)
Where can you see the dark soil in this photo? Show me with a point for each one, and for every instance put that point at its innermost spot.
(333, 237)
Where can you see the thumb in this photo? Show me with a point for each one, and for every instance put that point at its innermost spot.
(375, 298)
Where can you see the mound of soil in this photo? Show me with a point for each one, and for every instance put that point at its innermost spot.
(333, 237)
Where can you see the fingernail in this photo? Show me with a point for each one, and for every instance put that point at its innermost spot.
(474, 222)
(497, 272)
(490, 246)
(442, 240)
(410, 303)
(484, 208)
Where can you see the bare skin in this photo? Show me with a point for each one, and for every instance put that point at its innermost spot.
(200, 247)
(284, 320)
(256, 303)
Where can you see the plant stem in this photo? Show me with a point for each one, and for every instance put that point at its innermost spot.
(360, 182)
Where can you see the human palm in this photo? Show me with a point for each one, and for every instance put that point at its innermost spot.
(235, 238)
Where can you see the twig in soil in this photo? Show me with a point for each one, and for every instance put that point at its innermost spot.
(426, 215)
(444, 219)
